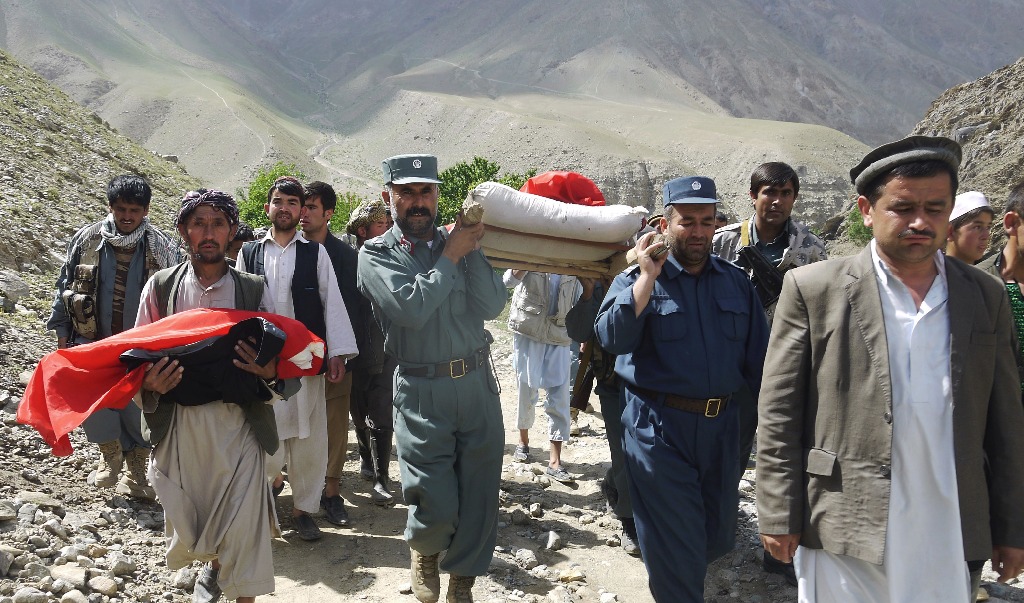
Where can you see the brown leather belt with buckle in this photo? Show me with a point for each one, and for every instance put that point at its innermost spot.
(709, 407)
(453, 368)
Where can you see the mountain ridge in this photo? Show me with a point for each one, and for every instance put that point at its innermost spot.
(715, 87)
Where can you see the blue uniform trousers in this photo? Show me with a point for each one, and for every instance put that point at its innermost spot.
(682, 472)
(450, 440)
(747, 404)
(611, 410)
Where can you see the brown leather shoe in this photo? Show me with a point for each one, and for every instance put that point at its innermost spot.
(426, 582)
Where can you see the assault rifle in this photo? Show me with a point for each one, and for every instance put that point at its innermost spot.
(583, 385)
(767, 279)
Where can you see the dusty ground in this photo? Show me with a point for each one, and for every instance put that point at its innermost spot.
(367, 561)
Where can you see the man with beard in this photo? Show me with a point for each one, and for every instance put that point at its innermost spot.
(98, 296)
(688, 331)
(208, 466)
(304, 286)
(432, 291)
(317, 211)
(889, 446)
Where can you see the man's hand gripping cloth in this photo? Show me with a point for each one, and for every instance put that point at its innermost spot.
(70, 384)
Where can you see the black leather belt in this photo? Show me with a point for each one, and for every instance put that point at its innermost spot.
(453, 368)
(709, 407)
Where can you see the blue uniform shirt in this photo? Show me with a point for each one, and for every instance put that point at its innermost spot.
(699, 336)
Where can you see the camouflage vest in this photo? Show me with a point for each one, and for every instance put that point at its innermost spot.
(80, 297)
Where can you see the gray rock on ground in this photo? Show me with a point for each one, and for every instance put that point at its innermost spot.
(74, 575)
(74, 596)
(185, 579)
(30, 595)
(103, 585)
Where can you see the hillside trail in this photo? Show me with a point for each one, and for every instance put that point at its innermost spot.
(369, 560)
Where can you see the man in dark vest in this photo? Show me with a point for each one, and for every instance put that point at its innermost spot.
(315, 218)
(303, 286)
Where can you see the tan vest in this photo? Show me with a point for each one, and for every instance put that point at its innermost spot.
(528, 314)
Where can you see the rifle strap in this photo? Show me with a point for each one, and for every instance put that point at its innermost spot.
(745, 233)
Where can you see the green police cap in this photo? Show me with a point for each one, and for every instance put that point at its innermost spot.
(405, 169)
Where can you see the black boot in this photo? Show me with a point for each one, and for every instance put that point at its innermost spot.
(365, 456)
(381, 494)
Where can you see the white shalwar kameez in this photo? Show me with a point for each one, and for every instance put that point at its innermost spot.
(302, 418)
(543, 365)
(924, 552)
(209, 469)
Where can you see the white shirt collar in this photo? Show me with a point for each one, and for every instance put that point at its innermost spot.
(883, 271)
(295, 237)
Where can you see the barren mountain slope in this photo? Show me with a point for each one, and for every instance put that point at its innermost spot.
(232, 85)
(986, 117)
(56, 159)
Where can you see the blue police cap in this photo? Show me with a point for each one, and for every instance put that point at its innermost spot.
(695, 189)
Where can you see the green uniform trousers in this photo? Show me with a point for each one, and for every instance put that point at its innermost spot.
(450, 440)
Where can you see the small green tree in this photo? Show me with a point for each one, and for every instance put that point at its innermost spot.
(347, 203)
(252, 199)
(855, 228)
(459, 179)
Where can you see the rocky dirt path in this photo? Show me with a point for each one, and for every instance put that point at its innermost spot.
(61, 540)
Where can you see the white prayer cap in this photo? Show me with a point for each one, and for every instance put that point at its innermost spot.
(968, 202)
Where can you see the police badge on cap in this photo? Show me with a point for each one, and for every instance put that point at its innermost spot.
(695, 189)
(406, 169)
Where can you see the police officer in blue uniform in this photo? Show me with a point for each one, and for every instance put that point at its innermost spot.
(688, 331)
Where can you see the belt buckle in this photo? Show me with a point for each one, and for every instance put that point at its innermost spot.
(717, 402)
(461, 362)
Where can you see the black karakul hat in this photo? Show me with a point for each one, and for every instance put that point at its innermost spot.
(910, 149)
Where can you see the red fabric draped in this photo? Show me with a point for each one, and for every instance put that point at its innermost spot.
(568, 187)
(69, 385)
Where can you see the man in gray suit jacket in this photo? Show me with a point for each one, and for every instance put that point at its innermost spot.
(890, 446)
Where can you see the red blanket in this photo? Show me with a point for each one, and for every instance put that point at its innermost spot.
(69, 385)
(567, 187)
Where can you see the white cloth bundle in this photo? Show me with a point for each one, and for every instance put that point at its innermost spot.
(505, 207)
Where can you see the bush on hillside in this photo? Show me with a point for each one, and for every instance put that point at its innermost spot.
(252, 199)
(459, 179)
(855, 229)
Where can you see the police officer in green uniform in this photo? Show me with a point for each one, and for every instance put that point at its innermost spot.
(431, 291)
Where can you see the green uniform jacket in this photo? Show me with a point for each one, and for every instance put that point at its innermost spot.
(430, 310)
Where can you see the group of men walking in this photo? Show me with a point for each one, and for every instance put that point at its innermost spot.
(884, 388)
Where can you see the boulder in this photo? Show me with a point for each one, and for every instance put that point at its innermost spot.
(103, 585)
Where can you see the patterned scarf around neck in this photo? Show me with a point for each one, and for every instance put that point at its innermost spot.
(164, 255)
